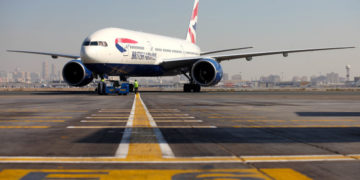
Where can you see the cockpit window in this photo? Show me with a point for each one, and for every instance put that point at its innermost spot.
(86, 43)
(95, 43)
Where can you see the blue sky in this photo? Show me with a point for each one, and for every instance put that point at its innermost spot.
(61, 26)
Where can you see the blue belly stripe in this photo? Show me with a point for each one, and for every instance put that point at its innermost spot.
(126, 69)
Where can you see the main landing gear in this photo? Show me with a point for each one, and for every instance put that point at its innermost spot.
(191, 87)
(101, 89)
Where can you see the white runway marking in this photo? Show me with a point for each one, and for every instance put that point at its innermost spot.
(179, 121)
(123, 148)
(174, 117)
(164, 146)
(103, 121)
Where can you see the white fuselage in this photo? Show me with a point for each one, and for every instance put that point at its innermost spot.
(114, 50)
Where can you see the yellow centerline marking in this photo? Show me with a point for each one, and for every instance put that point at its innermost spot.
(24, 127)
(142, 151)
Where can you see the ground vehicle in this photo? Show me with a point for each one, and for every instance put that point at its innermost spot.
(113, 87)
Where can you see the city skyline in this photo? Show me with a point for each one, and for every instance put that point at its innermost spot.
(265, 25)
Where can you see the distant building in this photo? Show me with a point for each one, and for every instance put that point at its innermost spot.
(35, 77)
(53, 76)
(296, 79)
(332, 78)
(3, 76)
(236, 77)
(225, 77)
(270, 79)
(45, 71)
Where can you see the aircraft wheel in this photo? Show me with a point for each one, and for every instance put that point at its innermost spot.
(187, 88)
(197, 88)
(131, 87)
(101, 88)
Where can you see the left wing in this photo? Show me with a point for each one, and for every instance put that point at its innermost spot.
(53, 55)
(187, 62)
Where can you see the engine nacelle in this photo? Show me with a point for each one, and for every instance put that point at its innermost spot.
(207, 72)
(76, 74)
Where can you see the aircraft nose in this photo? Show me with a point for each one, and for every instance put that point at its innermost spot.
(88, 54)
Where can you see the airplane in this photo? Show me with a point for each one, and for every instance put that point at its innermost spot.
(126, 53)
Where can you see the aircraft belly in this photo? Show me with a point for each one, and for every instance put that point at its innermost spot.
(126, 69)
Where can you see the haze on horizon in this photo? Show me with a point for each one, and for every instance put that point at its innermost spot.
(61, 26)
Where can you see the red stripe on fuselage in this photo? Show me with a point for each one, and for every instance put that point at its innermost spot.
(125, 40)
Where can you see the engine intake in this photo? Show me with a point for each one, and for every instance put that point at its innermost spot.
(76, 74)
(207, 72)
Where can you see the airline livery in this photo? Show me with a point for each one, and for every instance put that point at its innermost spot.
(125, 53)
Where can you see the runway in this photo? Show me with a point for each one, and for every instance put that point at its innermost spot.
(175, 136)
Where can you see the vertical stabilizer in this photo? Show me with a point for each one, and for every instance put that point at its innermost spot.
(191, 36)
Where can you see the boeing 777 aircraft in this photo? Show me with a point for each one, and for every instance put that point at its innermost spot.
(125, 53)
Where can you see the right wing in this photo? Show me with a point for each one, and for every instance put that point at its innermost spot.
(53, 55)
(189, 61)
(285, 53)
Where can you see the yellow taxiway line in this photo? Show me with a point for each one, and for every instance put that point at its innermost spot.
(155, 157)
(155, 174)
(142, 151)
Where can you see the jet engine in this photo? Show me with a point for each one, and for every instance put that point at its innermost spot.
(76, 74)
(206, 72)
